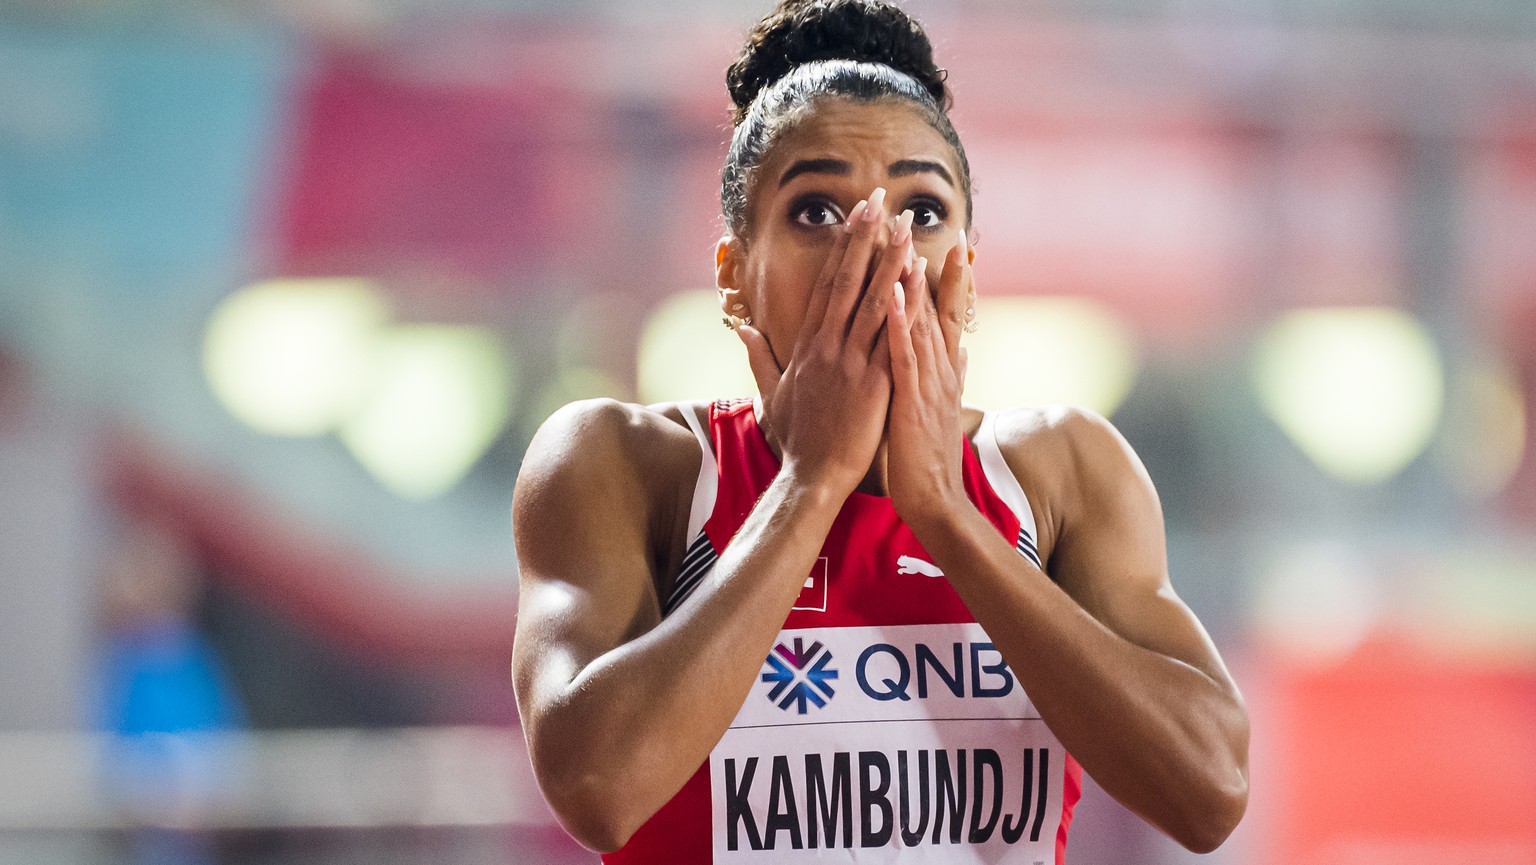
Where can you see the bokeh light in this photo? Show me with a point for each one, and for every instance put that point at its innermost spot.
(1317, 602)
(576, 383)
(1484, 440)
(440, 396)
(1358, 389)
(1046, 351)
(292, 357)
(685, 352)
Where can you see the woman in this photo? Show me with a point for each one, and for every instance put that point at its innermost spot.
(910, 568)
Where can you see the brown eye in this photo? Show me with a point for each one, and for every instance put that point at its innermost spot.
(926, 216)
(818, 213)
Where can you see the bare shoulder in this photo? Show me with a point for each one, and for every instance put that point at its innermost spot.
(635, 457)
(618, 437)
(1065, 444)
(1068, 459)
(1073, 432)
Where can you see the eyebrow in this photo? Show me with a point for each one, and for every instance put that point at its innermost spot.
(899, 168)
(907, 167)
(815, 166)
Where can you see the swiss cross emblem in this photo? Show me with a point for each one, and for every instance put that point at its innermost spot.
(813, 595)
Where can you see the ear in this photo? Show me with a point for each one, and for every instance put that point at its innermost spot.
(970, 260)
(727, 263)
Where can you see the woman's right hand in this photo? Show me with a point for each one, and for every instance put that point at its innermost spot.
(825, 412)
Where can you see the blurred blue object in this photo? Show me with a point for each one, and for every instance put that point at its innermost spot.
(163, 677)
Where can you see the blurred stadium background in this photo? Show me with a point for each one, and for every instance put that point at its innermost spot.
(287, 285)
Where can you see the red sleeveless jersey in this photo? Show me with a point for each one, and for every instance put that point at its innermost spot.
(884, 726)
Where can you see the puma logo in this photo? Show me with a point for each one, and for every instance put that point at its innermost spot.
(910, 565)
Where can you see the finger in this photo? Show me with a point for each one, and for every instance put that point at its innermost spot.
(919, 300)
(765, 368)
(891, 262)
(927, 342)
(880, 356)
(952, 300)
(821, 290)
(899, 339)
(920, 325)
(848, 283)
(945, 373)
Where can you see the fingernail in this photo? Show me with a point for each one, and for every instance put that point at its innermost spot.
(856, 213)
(901, 297)
(903, 227)
(921, 266)
(876, 201)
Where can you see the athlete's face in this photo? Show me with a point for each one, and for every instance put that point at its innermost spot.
(836, 156)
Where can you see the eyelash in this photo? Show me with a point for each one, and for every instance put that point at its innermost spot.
(801, 208)
(804, 205)
(938, 211)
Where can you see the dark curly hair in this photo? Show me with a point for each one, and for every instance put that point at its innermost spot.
(865, 50)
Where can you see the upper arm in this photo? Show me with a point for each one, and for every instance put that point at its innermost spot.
(582, 519)
(1110, 551)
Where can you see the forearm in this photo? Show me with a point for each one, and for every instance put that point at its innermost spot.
(633, 725)
(1164, 738)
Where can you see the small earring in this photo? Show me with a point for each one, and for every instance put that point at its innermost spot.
(972, 326)
(726, 320)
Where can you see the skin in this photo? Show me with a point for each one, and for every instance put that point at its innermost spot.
(860, 382)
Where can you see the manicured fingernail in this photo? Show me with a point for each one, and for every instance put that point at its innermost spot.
(855, 214)
(876, 203)
(921, 266)
(903, 227)
(901, 297)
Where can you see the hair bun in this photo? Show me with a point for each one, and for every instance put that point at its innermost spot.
(803, 31)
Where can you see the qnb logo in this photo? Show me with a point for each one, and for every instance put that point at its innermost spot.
(886, 672)
(800, 676)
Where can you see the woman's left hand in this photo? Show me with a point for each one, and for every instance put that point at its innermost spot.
(925, 437)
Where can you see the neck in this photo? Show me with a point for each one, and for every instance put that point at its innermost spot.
(876, 479)
(874, 482)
